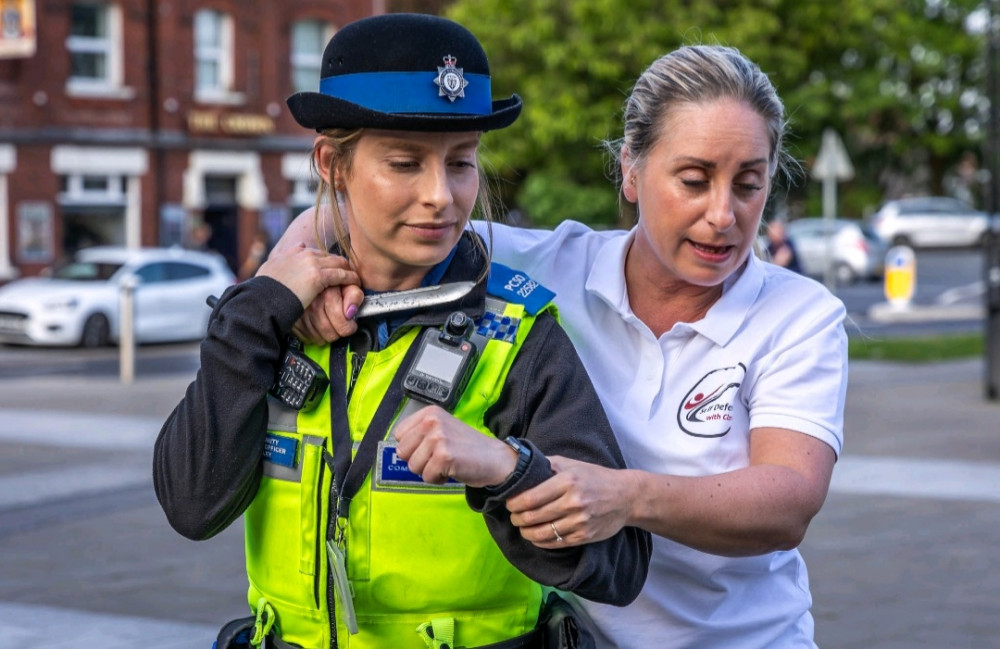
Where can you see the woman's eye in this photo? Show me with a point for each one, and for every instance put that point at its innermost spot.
(403, 164)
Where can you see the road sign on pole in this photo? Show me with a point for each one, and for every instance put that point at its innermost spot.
(832, 165)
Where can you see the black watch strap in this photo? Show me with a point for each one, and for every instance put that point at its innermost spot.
(523, 459)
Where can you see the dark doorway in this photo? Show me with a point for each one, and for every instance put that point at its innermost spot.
(222, 215)
(92, 225)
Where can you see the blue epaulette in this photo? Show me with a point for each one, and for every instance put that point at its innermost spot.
(516, 287)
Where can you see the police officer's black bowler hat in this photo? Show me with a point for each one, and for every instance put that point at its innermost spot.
(409, 72)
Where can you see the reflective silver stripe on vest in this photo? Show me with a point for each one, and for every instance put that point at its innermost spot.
(280, 416)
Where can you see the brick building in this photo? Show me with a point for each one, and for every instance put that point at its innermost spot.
(132, 122)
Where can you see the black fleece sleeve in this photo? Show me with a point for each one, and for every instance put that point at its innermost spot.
(549, 401)
(207, 457)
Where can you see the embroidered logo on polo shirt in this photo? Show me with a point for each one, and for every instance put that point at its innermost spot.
(707, 410)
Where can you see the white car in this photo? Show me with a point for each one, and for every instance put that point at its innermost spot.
(929, 221)
(856, 252)
(79, 303)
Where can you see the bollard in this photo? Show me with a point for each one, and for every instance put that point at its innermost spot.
(126, 329)
(900, 276)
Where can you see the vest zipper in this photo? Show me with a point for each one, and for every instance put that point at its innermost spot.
(331, 534)
(320, 542)
(357, 362)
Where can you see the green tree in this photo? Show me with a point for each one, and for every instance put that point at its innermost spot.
(899, 79)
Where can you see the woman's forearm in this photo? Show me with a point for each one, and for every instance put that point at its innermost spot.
(762, 508)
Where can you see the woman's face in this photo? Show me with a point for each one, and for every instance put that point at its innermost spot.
(407, 198)
(700, 192)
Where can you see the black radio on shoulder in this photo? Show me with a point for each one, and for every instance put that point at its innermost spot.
(444, 361)
(301, 382)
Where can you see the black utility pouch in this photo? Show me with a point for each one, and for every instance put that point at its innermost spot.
(562, 628)
(235, 634)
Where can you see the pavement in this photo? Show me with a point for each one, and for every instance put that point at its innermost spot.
(902, 556)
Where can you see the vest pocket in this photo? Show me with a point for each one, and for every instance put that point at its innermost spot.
(285, 527)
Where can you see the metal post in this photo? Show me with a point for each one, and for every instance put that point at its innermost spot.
(991, 280)
(126, 333)
(991, 251)
(829, 213)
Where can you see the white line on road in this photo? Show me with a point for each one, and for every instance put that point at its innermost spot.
(46, 627)
(917, 478)
(78, 429)
(36, 488)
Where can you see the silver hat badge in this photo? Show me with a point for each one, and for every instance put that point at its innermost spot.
(450, 82)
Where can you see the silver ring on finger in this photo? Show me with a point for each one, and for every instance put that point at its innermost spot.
(559, 538)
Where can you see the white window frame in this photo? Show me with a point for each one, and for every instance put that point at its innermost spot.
(297, 170)
(8, 164)
(77, 191)
(311, 61)
(221, 55)
(124, 168)
(251, 191)
(111, 47)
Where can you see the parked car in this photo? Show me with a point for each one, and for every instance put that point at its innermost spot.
(79, 302)
(929, 221)
(857, 253)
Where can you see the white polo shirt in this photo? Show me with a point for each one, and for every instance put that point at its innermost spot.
(772, 352)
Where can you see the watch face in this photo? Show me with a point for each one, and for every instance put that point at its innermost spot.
(523, 453)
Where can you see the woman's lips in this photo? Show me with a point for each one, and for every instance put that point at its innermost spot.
(711, 252)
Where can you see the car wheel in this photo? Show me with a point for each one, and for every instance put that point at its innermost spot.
(844, 274)
(96, 332)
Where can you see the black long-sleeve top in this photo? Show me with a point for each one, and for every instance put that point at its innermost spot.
(208, 456)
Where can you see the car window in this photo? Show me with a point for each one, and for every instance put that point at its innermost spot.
(86, 271)
(152, 273)
(182, 270)
(941, 205)
(801, 229)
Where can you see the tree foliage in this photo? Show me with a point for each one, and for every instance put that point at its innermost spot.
(900, 80)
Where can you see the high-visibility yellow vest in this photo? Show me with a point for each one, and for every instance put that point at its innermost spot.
(416, 555)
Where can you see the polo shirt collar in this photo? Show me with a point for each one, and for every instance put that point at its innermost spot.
(739, 292)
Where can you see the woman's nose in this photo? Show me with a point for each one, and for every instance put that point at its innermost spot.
(720, 210)
(435, 187)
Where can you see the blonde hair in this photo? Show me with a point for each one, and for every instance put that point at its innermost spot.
(343, 143)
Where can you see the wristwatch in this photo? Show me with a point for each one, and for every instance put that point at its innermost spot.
(523, 459)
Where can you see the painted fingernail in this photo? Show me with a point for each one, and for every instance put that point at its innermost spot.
(351, 311)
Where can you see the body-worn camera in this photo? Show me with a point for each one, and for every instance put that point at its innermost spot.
(301, 382)
(443, 363)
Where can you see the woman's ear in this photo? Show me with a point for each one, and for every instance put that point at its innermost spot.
(629, 172)
(326, 164)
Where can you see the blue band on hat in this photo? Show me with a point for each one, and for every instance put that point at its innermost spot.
(408, 92)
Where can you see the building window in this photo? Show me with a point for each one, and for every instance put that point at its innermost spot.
(91, 188)
(92, 208)
(95, 45)
(213, 55)
(309, 38)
